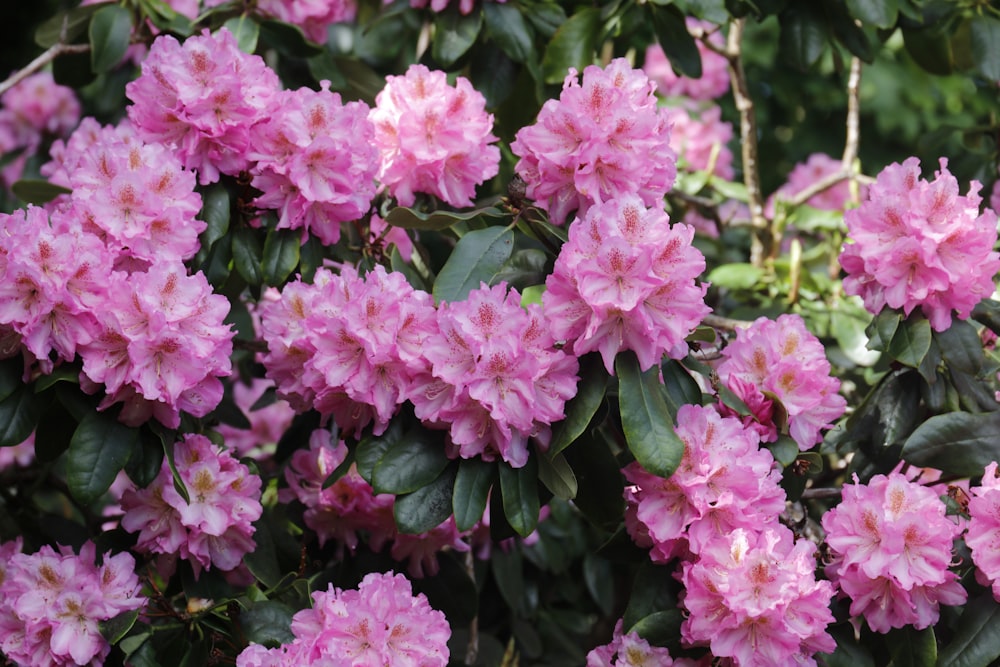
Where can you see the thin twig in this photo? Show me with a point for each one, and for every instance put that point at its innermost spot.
(724, 323)
(472, 648)
(41, 61)
(822, 185)
(816, 494)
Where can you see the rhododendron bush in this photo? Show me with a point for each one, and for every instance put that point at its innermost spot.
(500, 333)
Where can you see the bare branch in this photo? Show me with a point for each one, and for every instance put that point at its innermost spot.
(724, 323)
(41, 61)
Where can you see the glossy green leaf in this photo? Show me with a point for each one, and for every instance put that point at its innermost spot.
(803, 35)
(372, 448)
(573, 45)
(977, 640)
(472, 490)
(215, 213)
(958, 443)
(648, 427)
(413, 462)
(37, 191)
(557, 476)
(912, 648)
(99, 449)
(281, 255)
(987, 312)
(10, 376)
(408, 218)
(961, 347)
(248, 255)
(882, 329)
(659, 627)
(673, 36)
(66, 26)
(263, 560)
(115, 629)
(342, 469)
(519, 487)
(454, 33)
(477, 258)
(850, 652)
(109, 32)
(930, 48)
(652, 591)
(288, 39)
(545, 17)
(19, 414)
(679, 388)
(879, 13)
(245, 30)
(581, 408)
(911, 342)
(508, 571)
(850, 33)
(268, 623)
(985, 42)
(506, 26)
(146, 461)
(427, 507)
(736, 275)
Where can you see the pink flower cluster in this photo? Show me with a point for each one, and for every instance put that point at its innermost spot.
(433, 137)
(464, 6)
(781, 360)
(51, 603)
(380, 623)
(267, 423)
(724, 481)
(805, 174)
(701, 139)
(714, 80)
(892, 546)
(32, 110)
(753, 597)
(494, 377)
(626, 281)
(600, 139)
(313, 16)
(316, 161)
(919, 243)
(202, 98)
(983, 536)
(628, 650)
(215, 528)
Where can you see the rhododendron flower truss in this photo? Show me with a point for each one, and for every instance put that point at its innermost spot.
(916, 243)
(625, 280)
(891, 543)
(380, 623)
(433, 138)
(628, 650)
(494, 377)
(983, 536)
(601, 138)
(753, 596)
(781, 360)
(313, 16)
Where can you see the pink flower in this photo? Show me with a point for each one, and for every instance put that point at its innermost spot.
(724, 481)
(599, 140)
(700, 138)
(215, 528)
(781, 358)
(629, 650)
(202, 98)
(919, 243)
(313, 16)
(626, 281)
(434, 138)
(267, 424)
(983, 536)
(753, 597)
(817, 167)
(714, 80)
(464, 6)
(34, 109)
(892, 546)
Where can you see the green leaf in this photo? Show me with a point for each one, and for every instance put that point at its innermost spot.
(850, 652)
(506, 25)
(37, 191)
(248, 255)
(66, 26)
(977, 639)
(557, 476)
(215, 213)
(581, 408)
(958, 443)
(109, 32)
(679, 388)
(930, 48)
(673, 36)
(646, 421)
(407, 218)
(803, 35)
(268, 623)
(911, 342)
(263, 560)
(652, 591)
(912, 648)
(477, 258)
(19, 414)
(288, 39)
(546, 17)
(879, 13)
(372, 448)
(114, 629)
(245, 30)
(850, 34)
(10, 376)
(961, 347)
(987, 312)
(573, 45)
(508, 572)
(659, 627)
(985, 33)
(146, 460)
(882, 329)
(737, 275)
(472, 491)
(454, 33)
(599, 480)
(427, 507)
(413, 462)
(99, 449)
(519, 487)
(281, 255)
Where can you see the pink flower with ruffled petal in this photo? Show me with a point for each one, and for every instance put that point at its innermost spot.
(714, 79)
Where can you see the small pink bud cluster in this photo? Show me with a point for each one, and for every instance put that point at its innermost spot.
(628, 650)
(464, 6)
(214, 528)
(753, 596)
(433, 138)
(601, 138)
(347, 345)
(52, 603)
(626, 281)
(314, 17)
(316, 161)
(701, 139)
(714, 79)
(32, 110)
(805, 174)
(781, 360)
(202, 99)
(494, 377)
(380, 623)
(891, 543)
(983, 536)
(724, 481)
(919, 243)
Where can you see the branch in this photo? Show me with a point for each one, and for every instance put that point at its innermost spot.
(41, 61)
(724, 323)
